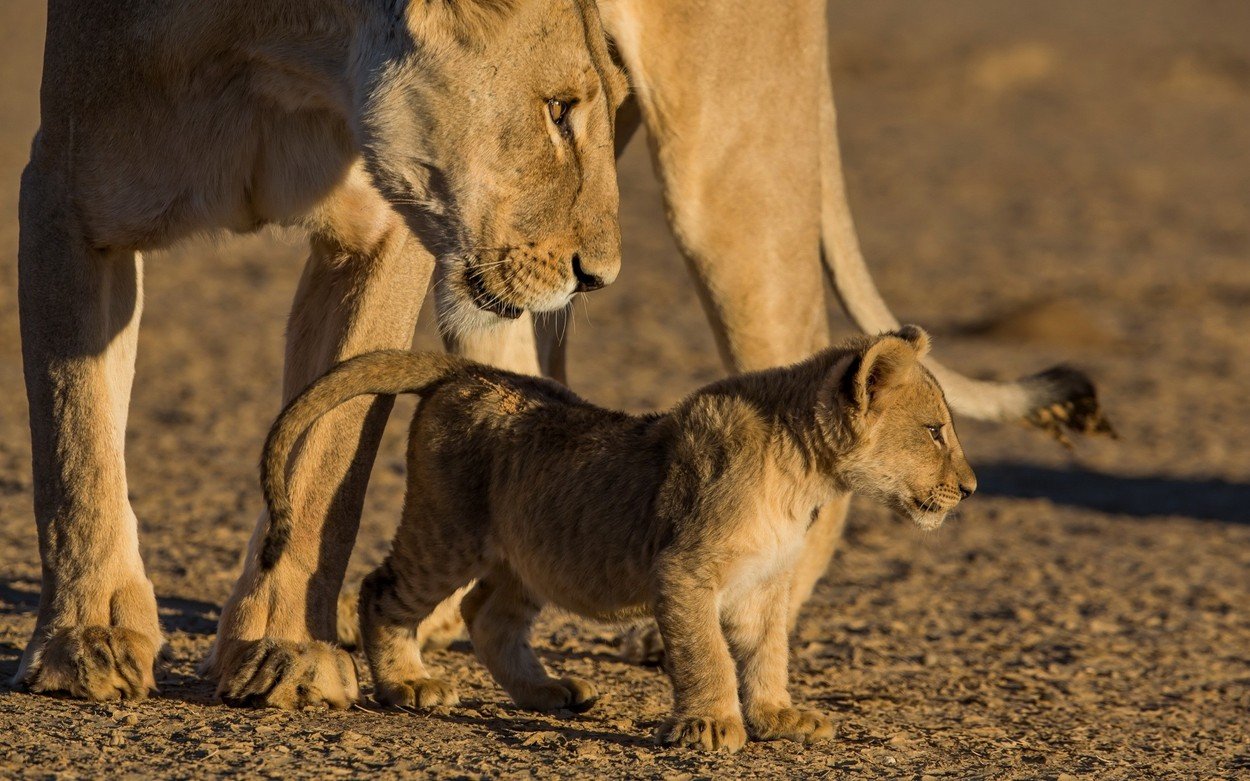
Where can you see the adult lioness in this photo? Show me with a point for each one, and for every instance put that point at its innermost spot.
(474, 132)
(697, 515)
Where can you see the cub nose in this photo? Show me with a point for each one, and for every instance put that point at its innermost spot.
(586, 281)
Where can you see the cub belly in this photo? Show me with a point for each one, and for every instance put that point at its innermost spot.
(596, 573)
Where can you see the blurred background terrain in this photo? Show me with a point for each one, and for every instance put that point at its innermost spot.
(1036, 183)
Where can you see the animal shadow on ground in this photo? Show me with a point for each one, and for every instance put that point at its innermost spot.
(1142, 497)
(523, 729)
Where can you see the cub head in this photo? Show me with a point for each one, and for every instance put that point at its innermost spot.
(898, 442)
(488, 124)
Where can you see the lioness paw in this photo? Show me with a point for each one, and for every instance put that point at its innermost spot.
(421, 693)
(286, 674)
(95, 663)
(704, 733)
(573, 694)
(802, 726)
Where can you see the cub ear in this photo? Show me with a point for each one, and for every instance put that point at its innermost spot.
(916, 335)
(884, 363)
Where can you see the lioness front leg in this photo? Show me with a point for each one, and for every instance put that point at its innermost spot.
(500, 614)
(755, 627)
(97, 633)
(706, 713)
(361, 290)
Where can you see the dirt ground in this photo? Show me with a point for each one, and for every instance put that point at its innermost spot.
(1035, 182)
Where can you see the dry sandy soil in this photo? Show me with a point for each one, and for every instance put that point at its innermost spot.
(1035, 182)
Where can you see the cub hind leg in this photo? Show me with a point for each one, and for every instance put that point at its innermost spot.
(500, 613)
(429, 561)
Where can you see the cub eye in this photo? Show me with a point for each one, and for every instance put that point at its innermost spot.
(935, 431)
(558, 110)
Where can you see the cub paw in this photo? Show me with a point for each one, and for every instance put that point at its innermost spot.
(95, 663)
(643, 645)
(422, 693)
(572, 694)
(286, 674)
(801, 726)
(709, 734)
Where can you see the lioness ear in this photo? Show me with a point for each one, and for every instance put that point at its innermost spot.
(885, 363)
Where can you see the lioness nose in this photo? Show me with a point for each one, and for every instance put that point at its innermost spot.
(586, 281)
(966, 489)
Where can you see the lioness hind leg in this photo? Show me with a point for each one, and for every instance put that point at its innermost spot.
(500, 613)
(745, 206)
(97, 633)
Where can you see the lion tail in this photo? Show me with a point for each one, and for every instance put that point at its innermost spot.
(385, 372)
(1058, 399)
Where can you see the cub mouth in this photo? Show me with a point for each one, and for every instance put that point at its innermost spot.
(485, 300)
(926, 515)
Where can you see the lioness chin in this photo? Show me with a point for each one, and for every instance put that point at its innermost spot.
(695, 516)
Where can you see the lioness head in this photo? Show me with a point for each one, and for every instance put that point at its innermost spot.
(902, 450)
(488, 125)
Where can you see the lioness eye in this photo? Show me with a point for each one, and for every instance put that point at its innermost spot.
(935, 431)
(558, 110)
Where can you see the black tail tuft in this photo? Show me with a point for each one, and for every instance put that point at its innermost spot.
(1065, 400)
(274, 546)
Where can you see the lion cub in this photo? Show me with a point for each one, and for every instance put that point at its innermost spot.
(695, 516)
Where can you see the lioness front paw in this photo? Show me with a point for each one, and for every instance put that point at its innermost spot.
(287, 674)
(572, 694)
(420, 693)
(802, 726)
(95, 663)
(709, 734)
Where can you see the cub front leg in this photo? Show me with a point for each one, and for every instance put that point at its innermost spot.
(755, 628)
(706, 714)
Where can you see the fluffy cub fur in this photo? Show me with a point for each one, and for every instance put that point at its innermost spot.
(695, 516)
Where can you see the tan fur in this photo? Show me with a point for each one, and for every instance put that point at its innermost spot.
(746, 147)
(163, 119)
(697, 516)
(401, 135)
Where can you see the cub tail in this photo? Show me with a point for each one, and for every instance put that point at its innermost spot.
(385, 372)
